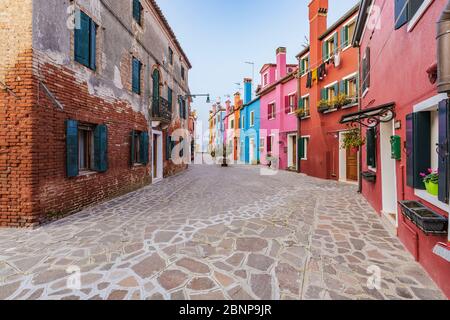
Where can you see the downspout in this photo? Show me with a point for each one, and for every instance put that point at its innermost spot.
(443, 84)
(299, 118)
(360, 126)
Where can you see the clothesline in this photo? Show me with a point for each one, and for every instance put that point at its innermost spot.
(321, 61)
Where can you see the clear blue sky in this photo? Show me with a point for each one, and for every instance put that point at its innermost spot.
(218, 36)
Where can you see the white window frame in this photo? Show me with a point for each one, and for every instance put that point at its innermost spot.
(265, 83)
(349, 22)
(418, 15)
(327, 40)
(430, 105)
(301, 61)
(304, 97)
(252, 119)
(292, 94)
(308, 138)
(274, 103)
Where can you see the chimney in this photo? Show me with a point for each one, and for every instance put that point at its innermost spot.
(318, 11)
(247, 90)
(281, 62)
(443, 40)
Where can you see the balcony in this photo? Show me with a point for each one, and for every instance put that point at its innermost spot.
(161, 112)
(340, 102)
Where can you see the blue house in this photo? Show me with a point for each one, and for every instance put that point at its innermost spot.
(250, 125)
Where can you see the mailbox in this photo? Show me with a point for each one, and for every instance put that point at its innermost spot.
(396, 148)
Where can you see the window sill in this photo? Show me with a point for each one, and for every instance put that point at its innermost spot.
(350, 106)
(424, 195)
(86, 173)
(330, 111)
(307, 117)
(419, 14)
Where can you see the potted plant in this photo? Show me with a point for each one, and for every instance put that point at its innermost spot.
(431, 181)
(341, 100)
(324, 105)
(353, 140)
(300, 113)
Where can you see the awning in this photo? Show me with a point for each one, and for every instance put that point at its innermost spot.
(371, 117)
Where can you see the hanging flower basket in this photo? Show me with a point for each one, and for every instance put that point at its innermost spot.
(353, 140)
(431, 181)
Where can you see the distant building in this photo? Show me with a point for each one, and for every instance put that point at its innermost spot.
(250, 126)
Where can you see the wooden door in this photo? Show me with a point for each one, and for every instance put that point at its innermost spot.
(352, 165)
(235, 149)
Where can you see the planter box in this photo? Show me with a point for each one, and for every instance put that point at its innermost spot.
(369, 176)
(323, 109)
(424, 218)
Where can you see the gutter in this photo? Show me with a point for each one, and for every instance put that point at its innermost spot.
(443, 49)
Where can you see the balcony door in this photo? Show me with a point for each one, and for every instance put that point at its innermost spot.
(156, 88)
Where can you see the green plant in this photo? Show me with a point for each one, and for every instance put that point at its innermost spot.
(353, 139)
(324, 104)
(341, 100)
(431, 177)
(300, 112)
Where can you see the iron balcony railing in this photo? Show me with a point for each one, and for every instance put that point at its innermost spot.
(161, 110)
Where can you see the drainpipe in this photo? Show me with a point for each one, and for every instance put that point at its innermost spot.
(443, 84)
(443, 48)
(360, 126)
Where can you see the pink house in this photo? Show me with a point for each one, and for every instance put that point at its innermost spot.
(278, 121)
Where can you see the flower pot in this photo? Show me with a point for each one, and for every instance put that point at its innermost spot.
(354, 150)
(432, 188)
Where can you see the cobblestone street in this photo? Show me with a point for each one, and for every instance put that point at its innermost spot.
(214, 233)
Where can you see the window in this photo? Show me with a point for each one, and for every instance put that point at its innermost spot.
(232, 124)
(371, 145)
(331, 93)
(347, 33)
(170, 56)
(265, 79)
(139, 147)
(137, 11)
(183, 110)
(182, 72)
(243, 122)
(261, 144)
(305, 105)
(269, 144)
(136, 76)
(291, 103)
(272, 109)
(304, 65)
(329, 47)
(349, 87)
(366, 70)
(252, 119)
(409, 11)
(86, 148)
(85, 41)
(303, 148)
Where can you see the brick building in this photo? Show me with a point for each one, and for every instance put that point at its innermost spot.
(90, 92)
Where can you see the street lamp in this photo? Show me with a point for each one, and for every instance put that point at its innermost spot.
(208, 99)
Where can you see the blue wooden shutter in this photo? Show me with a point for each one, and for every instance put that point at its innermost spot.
(82, 41)
(72, 148)
(371, 148)
(132, 147)
(101, 148)
(93, 45)
(136, 74)
(444, 128)
(144, 153)
(401, 13)
(418, 146)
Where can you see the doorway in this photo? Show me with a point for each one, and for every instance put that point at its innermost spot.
(388, 174)
(292, 151)
(157, 156)
(252, 151)
(348, 162)
(352, 164)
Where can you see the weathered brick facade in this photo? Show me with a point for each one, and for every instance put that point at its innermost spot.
(42, 86)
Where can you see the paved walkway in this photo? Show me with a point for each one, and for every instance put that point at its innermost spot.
(214, 233)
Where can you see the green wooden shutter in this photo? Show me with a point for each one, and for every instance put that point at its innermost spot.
(144, 150)
(343, 87)
(336, 42)
(301, 103)
(444, 128)
(371, 148)
(324, 94)
(170, 98)
(137, 8)
(418, 146)
(136, 76)
(301, 148)
(132, 147)
(324, 51)
(401, 13)
(168, 147)
(101, 148)
(93, 45)
(82, 41)
(72, 148)
(302, 66)
(336, 88)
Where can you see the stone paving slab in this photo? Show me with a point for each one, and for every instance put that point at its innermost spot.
(215, 233)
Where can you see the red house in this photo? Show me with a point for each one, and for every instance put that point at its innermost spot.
(327, 88)
(405, 117)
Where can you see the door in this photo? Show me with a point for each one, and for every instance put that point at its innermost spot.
(352, 164)
(252, 151)
(235, 149)
(157, 156)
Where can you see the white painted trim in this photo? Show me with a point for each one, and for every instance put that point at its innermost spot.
(423, 194)
(329, 36)
(305, 56)
(414, 20)
(430, 103)
(292, 93)
(290, 147)
(350, 76)
(305, 96)
(308, 137)
(350, 21)
(160, 160)
(330, 85)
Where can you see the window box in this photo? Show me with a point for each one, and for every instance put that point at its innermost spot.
(424, 218)
(369, 176)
